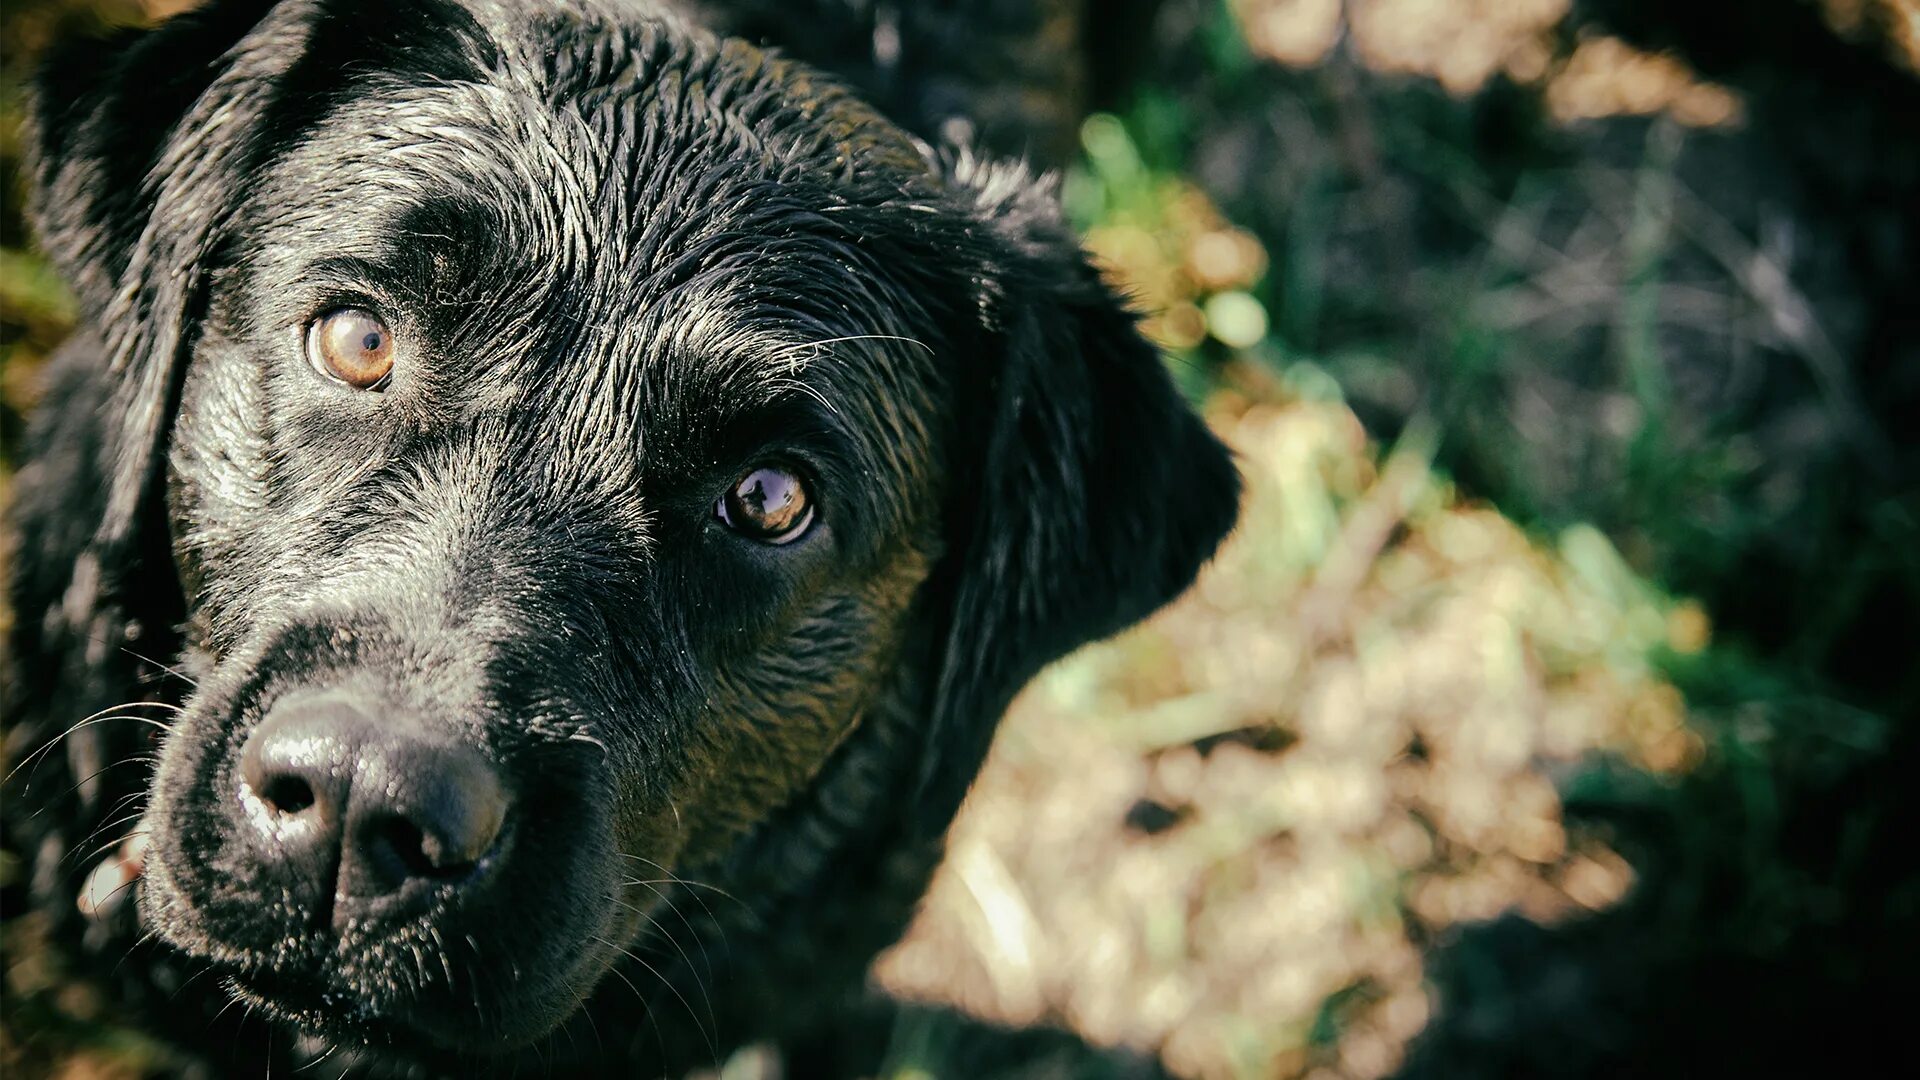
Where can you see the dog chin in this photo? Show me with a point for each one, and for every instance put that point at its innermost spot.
(424, 1027)
(414, 1014)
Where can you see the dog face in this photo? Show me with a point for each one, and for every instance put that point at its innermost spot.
(570, 429)
(571, 493)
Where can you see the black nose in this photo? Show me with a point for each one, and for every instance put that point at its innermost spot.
(340, 795)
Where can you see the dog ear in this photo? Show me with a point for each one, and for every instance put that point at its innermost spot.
(134, 145)
(1099, 494)
(139, 145)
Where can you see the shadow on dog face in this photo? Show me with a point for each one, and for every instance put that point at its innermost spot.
(572, 430)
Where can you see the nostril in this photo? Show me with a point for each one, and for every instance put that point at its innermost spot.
(394, 850)
(443, 856)
(426, 810)
(402, 839)
(287, 794)
(422, 853)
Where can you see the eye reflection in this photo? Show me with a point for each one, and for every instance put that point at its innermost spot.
(768, 503)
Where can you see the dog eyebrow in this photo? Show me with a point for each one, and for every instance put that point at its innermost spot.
(353, 272)
(791, 415)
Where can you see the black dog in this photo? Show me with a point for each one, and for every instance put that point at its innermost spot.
(568, 457)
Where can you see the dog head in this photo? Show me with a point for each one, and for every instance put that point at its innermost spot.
(569, 430)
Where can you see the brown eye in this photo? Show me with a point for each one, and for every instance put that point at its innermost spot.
(352, 345)
(769, 503)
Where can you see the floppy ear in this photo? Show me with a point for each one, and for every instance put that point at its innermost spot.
(137, 147)
(139, 144)
(1097, 498)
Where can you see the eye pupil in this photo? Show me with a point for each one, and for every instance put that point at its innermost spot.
(767, 503)
(370, 343)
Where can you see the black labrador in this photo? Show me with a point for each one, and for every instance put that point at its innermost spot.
(593, 486)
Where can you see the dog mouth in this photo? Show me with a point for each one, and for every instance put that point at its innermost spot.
(319, 992)
(314, 1006)
(404, 1029)
(421, 1022)
(398, 991)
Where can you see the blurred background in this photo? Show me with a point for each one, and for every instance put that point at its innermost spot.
(1553, 708)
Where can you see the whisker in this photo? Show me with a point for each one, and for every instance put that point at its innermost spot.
(168, 668)
(105, 902)
(127, 954)
(149, 936)
(712, 918)
(472, 966)
(129, 798)
(646, 1007)
(146, 759)
(440, 949)
(684, 921)
(331, 1047)
(821, 342)
(101, 850)
(100, 717)
(712, 1047)
(667, 932)
(600, 1046)
(795, 384)
(231, 1002)
(675, 879)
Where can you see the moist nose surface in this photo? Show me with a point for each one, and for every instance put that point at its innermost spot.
(349, 802)
(419, 810)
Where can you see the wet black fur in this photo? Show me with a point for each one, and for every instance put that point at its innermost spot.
(623, 259)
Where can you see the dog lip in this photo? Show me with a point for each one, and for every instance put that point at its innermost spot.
(317, 1006)
(297, 998)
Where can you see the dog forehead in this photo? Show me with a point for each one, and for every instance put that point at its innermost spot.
(629, 229)
(624, 170)
(592, 119)
(531, 231)
(648, 85)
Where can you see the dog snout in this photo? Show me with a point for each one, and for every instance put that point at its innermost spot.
(341, 792)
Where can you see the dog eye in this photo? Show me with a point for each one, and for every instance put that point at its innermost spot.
(768, 503)
(352, 345)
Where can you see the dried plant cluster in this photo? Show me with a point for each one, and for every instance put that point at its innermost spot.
(1343, 742)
